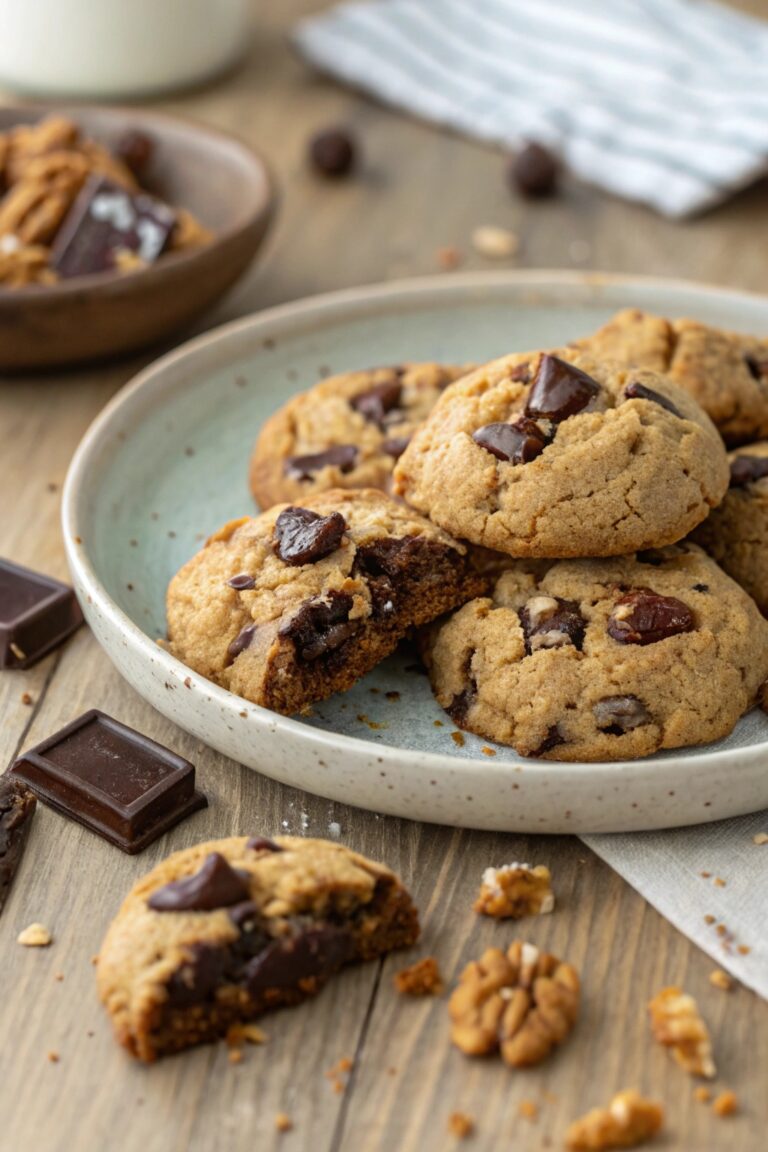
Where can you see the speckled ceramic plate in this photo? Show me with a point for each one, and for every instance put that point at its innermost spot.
(166, 462)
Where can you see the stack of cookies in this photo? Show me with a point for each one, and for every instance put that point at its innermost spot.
(533, 520)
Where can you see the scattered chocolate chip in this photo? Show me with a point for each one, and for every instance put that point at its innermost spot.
(552, 740)
(378, 402)
(321, 626)
(341, 456)
(262, 844)
(215, 885)
(396, 446)
(757, 368)
(517, 443)
(549, 622)
(315, 951)
(616, 715)
(747, 469)
(241, 641)
(534, 171)
(636, 391)
(643, 617)
(332, 152)
(136, 150)
(559, 390)
(242, 583)
(304, 537)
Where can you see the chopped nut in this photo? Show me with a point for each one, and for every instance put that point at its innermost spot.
(760, 838)
(420, 979)
(721, 979)
(725, 1104)
(35, 936)
(461, 1125)
(677, 1023)
(628, 1120)
(283, 1122)
(522, 1002)
(528, 1109)
(495, 243)
(702, 1094)
(515, 890)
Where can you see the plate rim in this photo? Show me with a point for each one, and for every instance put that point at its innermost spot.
(88, 585)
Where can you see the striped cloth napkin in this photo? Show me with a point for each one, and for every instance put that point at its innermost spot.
(662, 101)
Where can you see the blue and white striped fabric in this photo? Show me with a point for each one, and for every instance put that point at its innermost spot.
(662, 101)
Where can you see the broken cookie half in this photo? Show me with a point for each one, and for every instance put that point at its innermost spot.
(220, 933)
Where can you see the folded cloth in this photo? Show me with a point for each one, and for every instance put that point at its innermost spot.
(710, 881)
(662, 101)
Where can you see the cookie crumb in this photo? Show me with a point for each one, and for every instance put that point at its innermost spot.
(760, 838)
(628, 1120)
(53, 1057)
(460, 1125)
(59, 977)
(35, 936)
(283, 1122)
(420, 979)
(95, 959)
(702, 1094)
(239, 1034)
(705, 875)
(528, 1109)
(448, 257)
(677, 1024)
(719, 882)
(235, 1056)
(458, 739)
(709, 919)
(721, 979)
(337, 1072)
(726, 1104)
(26, 699)
(514, 891)
(744, 949)
(495, 243)
(486, 751)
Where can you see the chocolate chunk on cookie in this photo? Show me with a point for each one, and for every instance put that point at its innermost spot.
(220, 933)
(294, 605)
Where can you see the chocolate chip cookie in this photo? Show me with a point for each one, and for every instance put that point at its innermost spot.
(298, 603)
(736, 533)
(346, 432)
(218, 934)
(726, 372)
(537, 455)
(602, 659)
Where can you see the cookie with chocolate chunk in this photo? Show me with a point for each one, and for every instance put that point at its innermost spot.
(298, 603)
(736, 533)
(346, 432)
(602, 659)
(219, 933)
(559, 455)
(726, 372)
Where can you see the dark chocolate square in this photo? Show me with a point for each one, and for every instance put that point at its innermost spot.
(113, 780)
(36, 614)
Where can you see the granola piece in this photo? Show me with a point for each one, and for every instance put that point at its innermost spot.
(188, 232)
(628, 1120)
(21, 265)
(420, 979)
(26, 142)
(726, 1104)
(521, 1002)
(460, 1125)
(515, 890)
(34, 209)
(677, 1023)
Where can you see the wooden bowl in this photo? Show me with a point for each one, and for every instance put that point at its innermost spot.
(94, 317)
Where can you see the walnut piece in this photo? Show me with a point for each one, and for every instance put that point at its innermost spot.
(420, 979)
(522, 1002)
(628, 1120)
(515, 890)
(677, 1023)
(35, 936)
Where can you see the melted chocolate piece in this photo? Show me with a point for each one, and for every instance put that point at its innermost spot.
(747, 469)
(395, 446)
(552, 740)
(758, 369)
(136, 150)
(635, 391)
(549, 622)
(262, 844)
(241, 641)
(303, 537)
(197, 977)
(387, 564)
(111, 779)
(242, 583)
(341, 456)
(37, 614)
(517, 443)
(534, 171)
(215, 885)
(560, 390)
(321, 626)
(105, 221)
(619, 714)
(17, 807)
(315, 951)
(459, 707)
(643, 617)
(379, 402)
(245, 915)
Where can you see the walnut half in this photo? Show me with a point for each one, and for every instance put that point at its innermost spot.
(677, 1023)
(520, 1002)
(628, 1120)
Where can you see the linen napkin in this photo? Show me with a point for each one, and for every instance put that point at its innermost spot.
(661, 101)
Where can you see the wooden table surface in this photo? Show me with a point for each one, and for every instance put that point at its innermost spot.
(418, 190)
